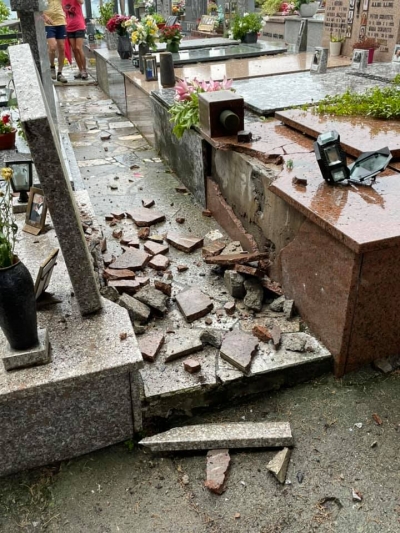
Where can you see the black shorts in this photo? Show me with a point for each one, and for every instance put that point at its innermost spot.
(56, 32)
(80, 34)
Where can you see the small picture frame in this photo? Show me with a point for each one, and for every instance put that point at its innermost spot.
(396, 54)
(45, 272)
(36, 212)
(365, 5)
(349, 30)
(360, 59)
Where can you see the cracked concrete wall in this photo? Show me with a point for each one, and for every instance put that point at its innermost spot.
(244, 183)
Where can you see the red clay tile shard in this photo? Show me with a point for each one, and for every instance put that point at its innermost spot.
(150, 345)
(249, 271)
(163, 285)
(262, 333)
(117, 233)
(118, 214)
(159, 262)
(143, 233)
(276, 335)
(144, 217)
(130, 286)
(193, 304)
(214, 248)
(272, 286)
(191, 365)
(154, 248)
(182, 268)
(217, 467)
(232, 259)
(132, 260)
(112, 274)
(238, 349)
(230, 308)
(185, 243)
(147, 202)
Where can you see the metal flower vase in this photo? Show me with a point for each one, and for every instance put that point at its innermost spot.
(143, 50)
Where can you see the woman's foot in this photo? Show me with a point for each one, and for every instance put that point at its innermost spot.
(84, 75)
(78, 75)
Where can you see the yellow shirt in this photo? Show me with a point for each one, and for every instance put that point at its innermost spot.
(56, 13)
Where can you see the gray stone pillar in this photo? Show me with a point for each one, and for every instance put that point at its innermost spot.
(46, 153)
(33, 33)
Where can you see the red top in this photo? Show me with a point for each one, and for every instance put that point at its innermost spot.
(73, 15)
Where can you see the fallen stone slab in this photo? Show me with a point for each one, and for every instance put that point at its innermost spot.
(193, 304)
(217, 466)
(233, 259)
(238, 349)
(279, 464)
(159, 262)
(225, 435)
(154, 248)
(138, 312)
(187, 344)
(110, 273)
(214, 248)
(128, 286)
(131, 260)
(191, 365)
(110, 293)
(185, 243)
(234, 282)
(150, 345)
(254, 294)
(144, 217)
(155, 299)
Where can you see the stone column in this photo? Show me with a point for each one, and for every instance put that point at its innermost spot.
(46, 153)
(33, 33)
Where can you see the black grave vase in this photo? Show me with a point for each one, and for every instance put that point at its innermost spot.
(143, 50)
(18, 318)
(250, 37)
(124, 47)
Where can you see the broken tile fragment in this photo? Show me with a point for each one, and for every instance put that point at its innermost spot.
(249, 271)
(143, 280)
(110, 293)
(232, 259)
(109, 218)
(279, 464)
(144, 217)
(117, 233)
(191, 365)
(181, 189)
(272, 286)
(110, 273)
(143, 233)
(156, 238)
(223, 435)
(129, 286)
(262, 333)
(206, 213)
(180, 220)
(186, 344)
(299, 181)
(150, 345)
(213, 337)
(154, 248)
(234, 282)
(182, 268)
(254, 294)
(238, 349)
(105, 136)
(155, 299)
(119, 215)
(234, 247)
(147, 202)
(276, 335)
(108, 258)
(214, 248)
(138, 312)
(217, 467)
(230, 308)
(185, 243)
(159, 262)
(193, 304)
(132, 259)
(164, 285)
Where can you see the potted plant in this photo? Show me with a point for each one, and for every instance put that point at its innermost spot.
(159, 20)
(335, 44)
(212, 8)
(117, 24)
(7, 132)
(246, 28)
(106, 12)
(306, 8)
(18, 319)
(172, 36)
(367, 43)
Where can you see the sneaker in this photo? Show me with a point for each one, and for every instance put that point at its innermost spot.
(78, 75)
(53, 73)
(61, 78)
(84, 75)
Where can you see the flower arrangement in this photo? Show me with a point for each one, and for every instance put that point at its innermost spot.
(369, 43)
(158, 19)
(270, 7)
(149, 7)
(6, 125)
(185, 111)
(178, 8)
(287, 8)
(144, 32)
(212, 8)
(8, 227)
(336, 38)
(248, 23)
(117, 23)
(298, 3)
(171, 34)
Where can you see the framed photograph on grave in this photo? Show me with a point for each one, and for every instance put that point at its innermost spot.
(45, 272)
(365, 5)
(360, 59)
(316, 60)
(396, 54)
(351, 4)
(364, 17)
(350, 17)
(36, 212)
(349, 30)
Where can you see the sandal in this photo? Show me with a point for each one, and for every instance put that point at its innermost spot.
(78, 75)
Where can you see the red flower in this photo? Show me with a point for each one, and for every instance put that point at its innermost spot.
(6, 119)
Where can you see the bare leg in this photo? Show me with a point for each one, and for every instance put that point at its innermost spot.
(77, 48)
(51, 48)
(61, 54)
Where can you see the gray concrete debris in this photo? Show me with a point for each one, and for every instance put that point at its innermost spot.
(234, 282)
(279, 464)
(233, 247)
(383, 365)
(110, 293)
(295, 342)
(193, 304)
(254, 295)
(238, 349)
(213, 337)
(155, 299)
(189, 342)
(224, 435)
(277, 304)
(217, 467)
(138, 311)
(288, 308)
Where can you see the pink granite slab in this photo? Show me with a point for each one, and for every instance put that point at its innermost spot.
(357, 134)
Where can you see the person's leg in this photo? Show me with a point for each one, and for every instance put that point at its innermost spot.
(61, 35)
(51, 48)
(81, 54)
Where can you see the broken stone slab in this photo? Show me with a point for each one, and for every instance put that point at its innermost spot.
(110, 293)
(288, 308)
(138, 311)
(191, 365)
(143, 280)
(224, 435)
(193, 304)
(128, 286)
(233, 259)
(131, 260)
(213, 337)
(130, 239)
(185, 243)
(150, 345)
(217, 467)
(155, 299)
(119, 215)
(277, 304)
(164, 285)
(144, 217)
(279, 464)
(112, 274)
(159, 262)
(154, 248)
(295, 342)
(254, 295)
(238, 349)
(187, 344)
(214, 248)
(234, 282)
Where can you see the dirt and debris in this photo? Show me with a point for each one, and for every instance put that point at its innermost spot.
(218, 462)
(279, 464)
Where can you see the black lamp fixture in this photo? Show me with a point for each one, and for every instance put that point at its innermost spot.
(332, 161)
(22, 178)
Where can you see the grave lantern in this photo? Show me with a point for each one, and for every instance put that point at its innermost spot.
(150, 67)
(332, 161)
(22, 178)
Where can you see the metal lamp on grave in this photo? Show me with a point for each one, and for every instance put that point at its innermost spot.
(21, 180)
(150, 67)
